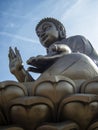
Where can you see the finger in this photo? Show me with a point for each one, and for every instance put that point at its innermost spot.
(32, 69)
(31, 60)
(18, 54)
(54, 47)
(11, 53)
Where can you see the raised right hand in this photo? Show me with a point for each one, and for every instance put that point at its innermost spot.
(15, 60)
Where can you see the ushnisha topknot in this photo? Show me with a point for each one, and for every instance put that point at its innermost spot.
(53, 20)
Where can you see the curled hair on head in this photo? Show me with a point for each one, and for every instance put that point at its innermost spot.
(58, 24)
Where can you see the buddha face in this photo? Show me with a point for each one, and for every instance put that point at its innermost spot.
(47, 33)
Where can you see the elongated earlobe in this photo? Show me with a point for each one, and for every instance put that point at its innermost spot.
(62, 32)
(62, 35)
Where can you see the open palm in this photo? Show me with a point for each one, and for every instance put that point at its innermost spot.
(15, 60)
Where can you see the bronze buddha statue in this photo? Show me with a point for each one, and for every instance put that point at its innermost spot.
(65, 95)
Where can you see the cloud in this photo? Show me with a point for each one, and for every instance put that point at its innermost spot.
(4, 13)
(80, 10)
(18, 37)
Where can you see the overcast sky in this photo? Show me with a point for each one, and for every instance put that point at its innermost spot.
(18, 19)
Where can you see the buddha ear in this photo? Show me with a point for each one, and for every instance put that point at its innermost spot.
(62, 32)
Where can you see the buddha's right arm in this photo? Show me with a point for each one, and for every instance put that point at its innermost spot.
(16, 66)
(23, 76)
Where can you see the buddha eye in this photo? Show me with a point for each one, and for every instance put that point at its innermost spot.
(46, 27)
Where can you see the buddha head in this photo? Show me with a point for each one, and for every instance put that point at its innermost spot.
(49, 31)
